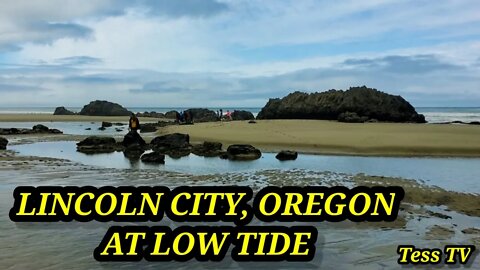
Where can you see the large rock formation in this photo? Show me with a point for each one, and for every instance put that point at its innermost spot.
(3, 143)
(242, 115)
(203, 115)
(62, 111)
(104, 108)
(366, 103)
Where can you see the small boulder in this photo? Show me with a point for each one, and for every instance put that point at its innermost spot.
(133, 152)
(148, 127)
(40, 128)
(287, 155)
(171, 141)
(62, 111)
(3, 143)
(102, 128)
(171, 114)
(106, 124)
(252, 122)
(242, 115)
(97, 144)
(208, 149)
(243, 152)
(154, 158)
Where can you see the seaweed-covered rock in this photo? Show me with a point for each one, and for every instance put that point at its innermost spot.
(154, 158)
(286, 155)
(208, 149)
(243, 152)
(104, 108)
(367, 103)
(242, 115)
(3, 143)
(62, 111)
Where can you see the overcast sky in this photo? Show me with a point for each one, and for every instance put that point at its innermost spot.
(236, 52)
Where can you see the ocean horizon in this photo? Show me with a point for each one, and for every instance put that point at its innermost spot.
(432, 114)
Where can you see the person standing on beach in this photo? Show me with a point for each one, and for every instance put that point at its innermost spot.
(133, 123)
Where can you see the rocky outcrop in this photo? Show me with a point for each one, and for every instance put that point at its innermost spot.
(366, 103)
(242, 115)
(208, 149)
(154, 158)
(202, 115)
(37, 129)
(62, 111)
(175, 145)
(97, 145)
(151, 114)
(3, 143)
(104, 108)
(243, 152)
(286, 155)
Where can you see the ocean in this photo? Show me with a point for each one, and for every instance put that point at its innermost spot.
(432, 114)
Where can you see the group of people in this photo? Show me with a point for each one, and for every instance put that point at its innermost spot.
(222, 117)
(184, 117)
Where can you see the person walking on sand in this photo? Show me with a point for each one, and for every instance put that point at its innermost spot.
(228, 115)
(133, 123)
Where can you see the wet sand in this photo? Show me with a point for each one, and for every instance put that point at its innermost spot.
(331, 137)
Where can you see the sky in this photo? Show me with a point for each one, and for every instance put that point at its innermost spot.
(213, 53)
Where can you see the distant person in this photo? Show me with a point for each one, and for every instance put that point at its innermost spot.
(228, 115)
(221, 114)
(133, 123)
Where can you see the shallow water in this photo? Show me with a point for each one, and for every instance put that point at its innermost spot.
(456, 174)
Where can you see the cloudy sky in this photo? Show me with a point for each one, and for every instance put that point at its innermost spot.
(170, 53)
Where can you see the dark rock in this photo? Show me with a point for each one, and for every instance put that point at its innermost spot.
(171, 141)
(365, 102)
(132, 138)
(175, 145)
(106, 124)
(40, 129)
(134, 151)
(154, 157)
(104, 108)
(242, 115)
(37, 129)
(287, 155)
(118, 130)
(119, 124)
(96, 144)
(351, 117)
(243, 152)
(62, 111)
(474, 123)
(151, 114)
(3, 143)
(88, 129)
(202, 115)
(148, 127)
(171, 114)
(252, 122)
(102, 128)
(208, 149)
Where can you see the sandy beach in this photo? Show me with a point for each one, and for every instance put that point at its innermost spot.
(330, 137)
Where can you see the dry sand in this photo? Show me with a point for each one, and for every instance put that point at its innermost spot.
(330, 137)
